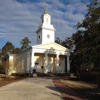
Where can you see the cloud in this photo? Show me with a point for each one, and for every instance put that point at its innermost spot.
(17, 21)
(21, 18)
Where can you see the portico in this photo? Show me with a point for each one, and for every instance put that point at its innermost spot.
(51, 59)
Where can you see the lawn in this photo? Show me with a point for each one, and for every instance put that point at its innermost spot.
(6, 80)
(89, 90)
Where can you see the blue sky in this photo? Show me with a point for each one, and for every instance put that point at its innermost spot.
(21, 18)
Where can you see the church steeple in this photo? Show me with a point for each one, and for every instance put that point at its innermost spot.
(46, 31)
(45, 10)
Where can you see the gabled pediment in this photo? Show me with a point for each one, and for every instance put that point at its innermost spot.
(52, 46)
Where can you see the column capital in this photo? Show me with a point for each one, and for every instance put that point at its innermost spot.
(46, 53)
(58, 54)
(68, 54)
(32, 52)
(28, 54)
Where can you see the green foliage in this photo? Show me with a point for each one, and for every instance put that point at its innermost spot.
(0, 56)
(16, 50)
(68, 43)
(25, 43)
(87, 38)
(58, 40)
(2, 71)
(20, 74)
(8, 47)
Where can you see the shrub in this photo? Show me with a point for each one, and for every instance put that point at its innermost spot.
(2, 71)
(20, 74)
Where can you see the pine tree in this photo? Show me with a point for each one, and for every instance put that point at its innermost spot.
(25, 43)
(87, 37)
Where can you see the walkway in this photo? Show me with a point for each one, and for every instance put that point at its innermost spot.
(31, 89)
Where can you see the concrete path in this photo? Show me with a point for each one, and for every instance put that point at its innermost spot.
(31, 89)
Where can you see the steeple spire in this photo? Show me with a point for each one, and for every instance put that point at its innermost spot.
(46, 31)
(45, 10)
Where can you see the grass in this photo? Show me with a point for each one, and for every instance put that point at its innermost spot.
(6, 80)
(89, 90)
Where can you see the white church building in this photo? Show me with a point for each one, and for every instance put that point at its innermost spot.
(46, 56)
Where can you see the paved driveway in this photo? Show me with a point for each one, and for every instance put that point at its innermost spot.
(31, 89)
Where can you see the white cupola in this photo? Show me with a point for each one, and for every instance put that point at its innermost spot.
(46, 31)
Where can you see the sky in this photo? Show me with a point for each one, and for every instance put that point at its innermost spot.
(21, 18)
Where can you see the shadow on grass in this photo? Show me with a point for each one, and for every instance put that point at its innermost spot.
(91, 92)
(68, 97)
(67, 93)
(7, 80)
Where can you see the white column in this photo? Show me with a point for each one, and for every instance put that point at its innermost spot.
(68, 65)
(46, 63)
(57, 63)
(32, 61)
